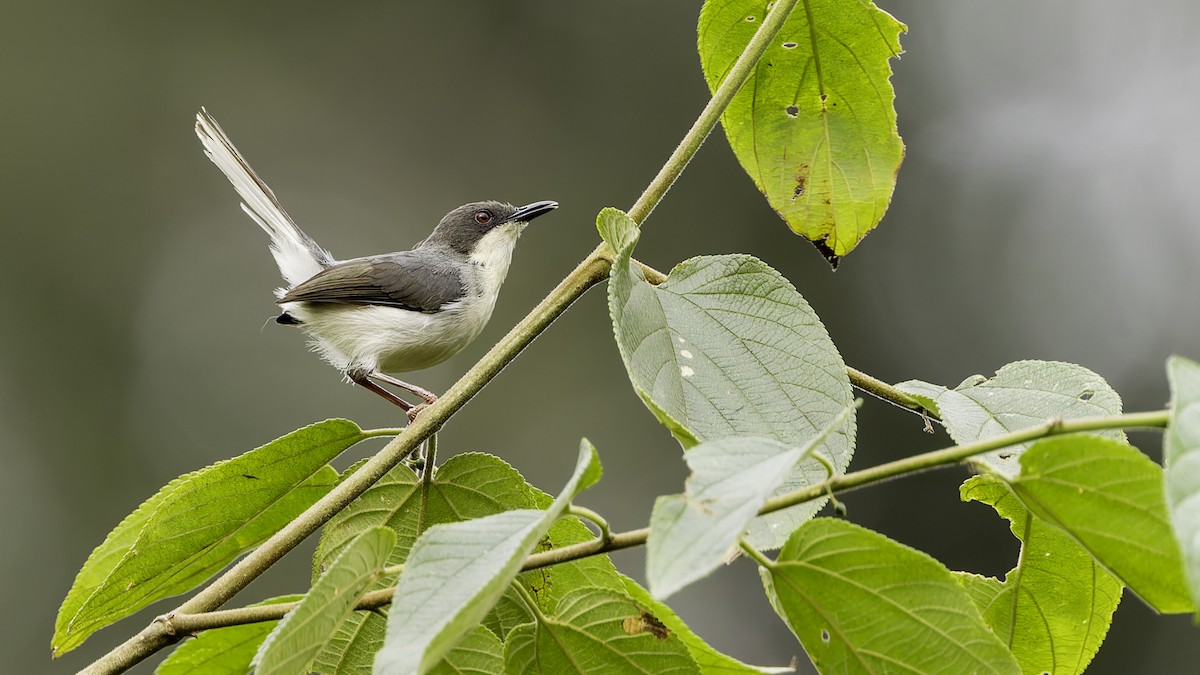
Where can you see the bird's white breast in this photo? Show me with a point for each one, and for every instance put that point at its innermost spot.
(360, 339)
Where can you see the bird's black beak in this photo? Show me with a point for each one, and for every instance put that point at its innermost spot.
(528, 212)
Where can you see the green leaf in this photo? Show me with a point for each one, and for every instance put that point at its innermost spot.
(549, 584)
(1021, 394)
(726, 347)
(456, 572)
(1054, 608)
(597, 631)
(1109, 498)
(1181, 450)
(711, 661)
(694, 533)
(466, 486)
(300, 636)
(862, 603)
(617, 229)
(815, 125)
(480, 651)
(199, 523)
(222, 651)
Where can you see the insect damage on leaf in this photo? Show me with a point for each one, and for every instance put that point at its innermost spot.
(646, 623)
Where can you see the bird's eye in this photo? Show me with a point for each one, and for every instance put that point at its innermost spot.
(483, 217)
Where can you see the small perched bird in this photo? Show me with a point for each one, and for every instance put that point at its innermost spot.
(388, 313)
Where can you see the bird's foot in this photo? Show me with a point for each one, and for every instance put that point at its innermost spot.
(416, 410)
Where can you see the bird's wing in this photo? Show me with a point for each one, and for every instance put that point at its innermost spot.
(402, 280)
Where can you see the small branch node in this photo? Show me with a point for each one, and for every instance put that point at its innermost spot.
(168, 623)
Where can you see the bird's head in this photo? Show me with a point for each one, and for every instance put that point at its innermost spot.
(478, 228)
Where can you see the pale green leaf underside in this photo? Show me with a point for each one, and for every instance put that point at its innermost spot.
(815, 125)
(597, 631)
(1181, 447)
(304, 632)
(221, 651)
(1108, 496)
(711, 661)
(862, 603)
(1055, 607)
(694, 533)
(199, 523)
(1021, 394)
(457, 572)
(726, 347)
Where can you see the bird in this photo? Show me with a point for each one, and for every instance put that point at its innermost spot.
(388, 313)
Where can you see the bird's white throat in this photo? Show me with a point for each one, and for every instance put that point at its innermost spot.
(492, 255)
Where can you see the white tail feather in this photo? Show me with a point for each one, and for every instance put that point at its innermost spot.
(296, 254)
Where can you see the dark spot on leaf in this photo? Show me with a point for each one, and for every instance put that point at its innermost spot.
(799, 191)
(749, 18)
(1087, 395)
(646, 623)
(246, 475)
(824, 97)
(830, 257)
(769, 64)
(824, 635)
(792, 110)
(1006, 455)
(789, 45)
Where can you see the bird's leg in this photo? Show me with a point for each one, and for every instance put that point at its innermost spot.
(429, 396)
(365, 382)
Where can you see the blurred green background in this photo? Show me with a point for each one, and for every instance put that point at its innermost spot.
(1046, 209)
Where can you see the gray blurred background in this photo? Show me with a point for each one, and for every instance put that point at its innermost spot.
(1046, 209)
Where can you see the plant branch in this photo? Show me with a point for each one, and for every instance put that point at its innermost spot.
(186, 624)
(886, 392)
(755, 554)
(593, 269)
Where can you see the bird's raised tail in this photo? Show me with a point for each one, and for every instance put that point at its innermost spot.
(298, 256)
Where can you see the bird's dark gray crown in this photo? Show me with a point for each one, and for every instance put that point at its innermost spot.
(461, 229)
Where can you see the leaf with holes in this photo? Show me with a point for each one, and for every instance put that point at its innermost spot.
(726, 347)
(711, 661)
(862, 603)
(815, 125)
(199, 523)
(597, 631)
(1021, 394)
(1054, 608)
